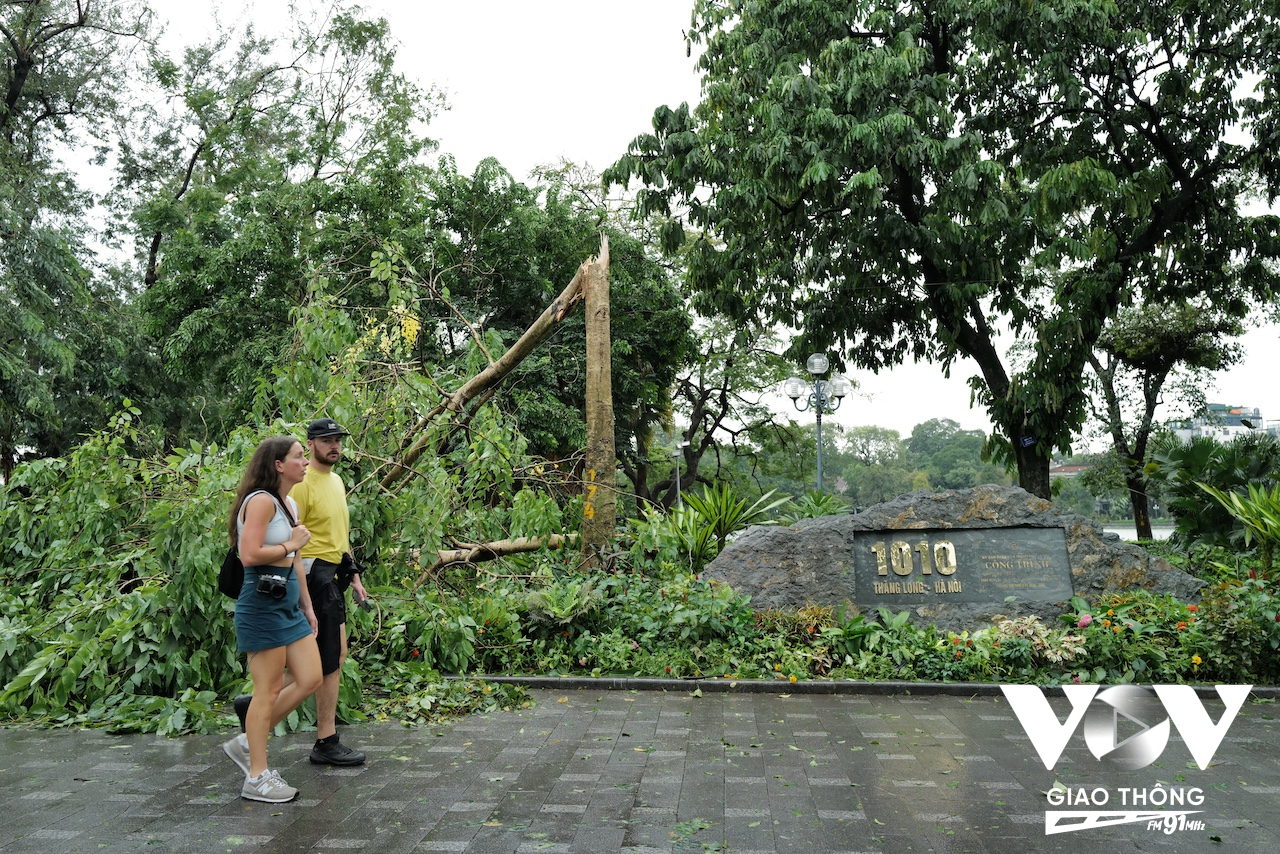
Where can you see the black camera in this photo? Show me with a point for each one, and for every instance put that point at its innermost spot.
(274, 586)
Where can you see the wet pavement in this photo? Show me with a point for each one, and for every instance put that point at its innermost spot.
(595, 769)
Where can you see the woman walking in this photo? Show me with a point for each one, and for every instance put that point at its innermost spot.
(275, 624)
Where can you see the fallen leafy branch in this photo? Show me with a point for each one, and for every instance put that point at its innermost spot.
(474, 553)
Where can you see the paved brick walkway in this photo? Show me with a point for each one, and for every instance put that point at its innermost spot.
(597, 770)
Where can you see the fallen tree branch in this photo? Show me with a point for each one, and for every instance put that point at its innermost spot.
(490, 376)
(474, 553)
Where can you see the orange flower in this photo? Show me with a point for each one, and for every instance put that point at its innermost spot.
(1106, 622)
(1116, 629)
(1193, 608)
(1181, 625)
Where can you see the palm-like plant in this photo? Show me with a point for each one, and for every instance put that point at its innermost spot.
(697, 538)
(725, 514)
(1181, 468)
(1258, 510)
(812, 505)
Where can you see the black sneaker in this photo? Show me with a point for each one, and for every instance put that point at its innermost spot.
(334, 752)
(241, 704)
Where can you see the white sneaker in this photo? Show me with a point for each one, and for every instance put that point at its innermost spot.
(238, 749)
(269, 787)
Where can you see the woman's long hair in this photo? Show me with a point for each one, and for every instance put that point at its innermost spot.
(260, 474)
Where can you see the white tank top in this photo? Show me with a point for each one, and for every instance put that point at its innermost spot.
(278, 529)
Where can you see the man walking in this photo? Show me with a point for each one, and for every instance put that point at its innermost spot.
(322, 507)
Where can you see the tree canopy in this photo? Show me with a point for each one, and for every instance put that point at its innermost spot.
(908, 180)
(63, 68)
(261, 165)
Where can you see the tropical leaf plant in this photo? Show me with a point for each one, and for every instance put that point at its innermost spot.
(1181, 466)
(1258, 510)
(562, 602)
(697, 537)
(849, 636)
(726, 514)
(812, 505)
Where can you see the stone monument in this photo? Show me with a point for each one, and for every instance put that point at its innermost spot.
(954, 559)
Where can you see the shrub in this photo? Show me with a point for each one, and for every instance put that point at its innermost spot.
(1180, 467)
(1237, 632)
(1135, 635)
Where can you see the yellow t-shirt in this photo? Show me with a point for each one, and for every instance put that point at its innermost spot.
(322, 508)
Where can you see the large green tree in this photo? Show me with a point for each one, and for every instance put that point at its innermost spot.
(263, 164)
(63, 72)
(952, 457)
(875, 465)
(1148, 356)
(720, 396)
(908, 179)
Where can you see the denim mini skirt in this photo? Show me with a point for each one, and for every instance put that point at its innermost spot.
(266, 623)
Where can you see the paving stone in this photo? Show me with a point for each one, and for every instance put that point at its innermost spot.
(635, 772)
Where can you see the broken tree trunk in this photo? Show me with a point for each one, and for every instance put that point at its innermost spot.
(489, 377)
(600, 471)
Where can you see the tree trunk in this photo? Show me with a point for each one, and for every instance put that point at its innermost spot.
(1033, 469)
(600, 471)
(1140, 503)
(8, 460)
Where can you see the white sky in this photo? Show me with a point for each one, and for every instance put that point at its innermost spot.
(530, 82)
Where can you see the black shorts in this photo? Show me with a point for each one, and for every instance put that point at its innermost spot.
(330, 606)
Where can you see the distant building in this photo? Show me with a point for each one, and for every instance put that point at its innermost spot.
(1224, 423)
(1058, 470)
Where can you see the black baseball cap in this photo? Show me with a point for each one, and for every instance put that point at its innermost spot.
(325, 427)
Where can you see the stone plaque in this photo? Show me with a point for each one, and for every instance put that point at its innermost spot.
(910, 568)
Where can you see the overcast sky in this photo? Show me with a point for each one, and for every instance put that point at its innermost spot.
(533, 82)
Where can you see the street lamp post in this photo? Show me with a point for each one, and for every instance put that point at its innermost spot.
(676, 455)
(824, 396)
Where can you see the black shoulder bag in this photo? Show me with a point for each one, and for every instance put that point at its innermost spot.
(231, 576)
